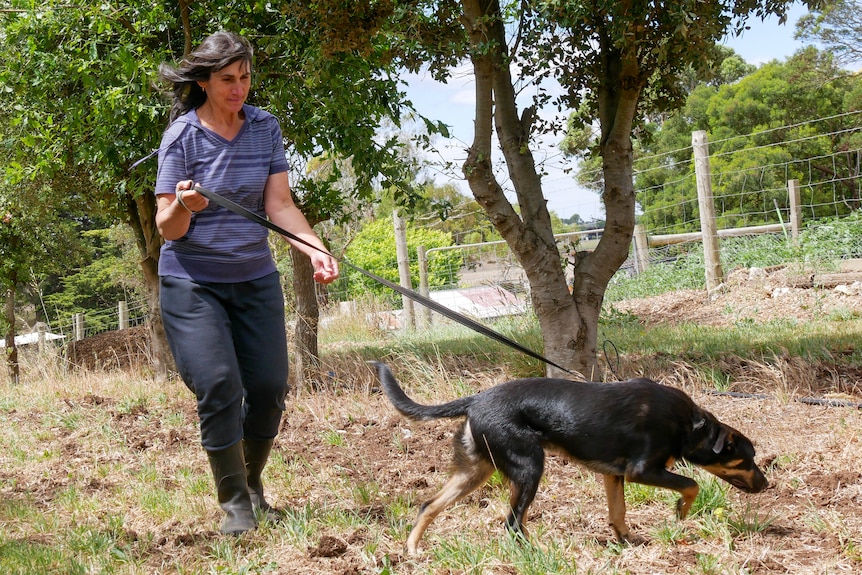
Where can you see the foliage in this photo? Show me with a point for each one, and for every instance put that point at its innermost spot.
(837, 26)
(86, 108)
(373, 249)
(36, 241)
(107, 276)
(832, 238)
(723, 66)
(757, 135)
(664, 47)
(105, 77)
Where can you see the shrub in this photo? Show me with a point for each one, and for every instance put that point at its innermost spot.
(373, 249)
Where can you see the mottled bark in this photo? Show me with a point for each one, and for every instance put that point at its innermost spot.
(306, 360)
(529, 235)
(141, 215)
(568, 320)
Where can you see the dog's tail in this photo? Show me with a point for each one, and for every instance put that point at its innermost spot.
(410, 408)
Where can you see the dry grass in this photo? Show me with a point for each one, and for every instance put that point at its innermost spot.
(101, 472)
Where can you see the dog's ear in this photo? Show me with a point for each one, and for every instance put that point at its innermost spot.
(723, 438)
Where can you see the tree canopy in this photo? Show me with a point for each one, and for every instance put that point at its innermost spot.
(82, 102)
(837, 26)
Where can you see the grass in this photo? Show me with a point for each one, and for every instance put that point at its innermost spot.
(102, 473)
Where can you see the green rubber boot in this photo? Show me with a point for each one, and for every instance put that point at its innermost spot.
(228, 467)
(256, 456)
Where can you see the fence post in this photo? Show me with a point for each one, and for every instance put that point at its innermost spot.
(123, 313)
(403, 257)
(78, 326)
(41, 330)
(795, 209)
(641, 249)
(424, 312)
(706, 207)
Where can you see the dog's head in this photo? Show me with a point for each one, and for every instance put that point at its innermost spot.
(726, 453)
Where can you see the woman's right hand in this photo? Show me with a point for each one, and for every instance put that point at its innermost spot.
(188, 198)
(174, 213)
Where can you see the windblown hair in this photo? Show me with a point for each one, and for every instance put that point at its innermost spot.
(215, 53)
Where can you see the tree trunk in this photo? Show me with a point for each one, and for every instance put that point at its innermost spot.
(568, 321)
(13, 370)
(141, 214)
(617, 102)
(529, 235)
(307, 361)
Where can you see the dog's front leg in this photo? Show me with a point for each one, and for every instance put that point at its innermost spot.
(688, 495)
(615, 492)
(685, 486)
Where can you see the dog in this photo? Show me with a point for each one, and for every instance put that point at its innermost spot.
(631, 430)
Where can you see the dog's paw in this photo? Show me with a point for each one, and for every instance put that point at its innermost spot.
(682, 507)
(622, 533)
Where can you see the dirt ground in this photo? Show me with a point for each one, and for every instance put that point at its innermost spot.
(812, 455)
(756, 294)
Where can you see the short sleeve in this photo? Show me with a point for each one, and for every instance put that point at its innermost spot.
(278, 162)
(172, 163)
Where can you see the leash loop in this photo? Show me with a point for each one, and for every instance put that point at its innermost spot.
(417, 297)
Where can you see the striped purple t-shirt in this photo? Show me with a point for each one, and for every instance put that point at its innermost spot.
(221, 246)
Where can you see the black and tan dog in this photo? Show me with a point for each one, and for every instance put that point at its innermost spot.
(632, 430)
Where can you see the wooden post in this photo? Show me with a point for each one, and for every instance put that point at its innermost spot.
(41, 330)
(123, 313)
(78, 326)
(703, 177)
(795, 209)
(403, 257)
(424, 312)
(641, 249)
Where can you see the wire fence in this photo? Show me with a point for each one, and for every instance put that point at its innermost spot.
(830, 187)
(125, 314)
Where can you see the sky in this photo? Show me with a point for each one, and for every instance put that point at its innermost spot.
(452, 104)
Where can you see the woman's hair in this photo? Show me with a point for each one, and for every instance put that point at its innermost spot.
(215, 53)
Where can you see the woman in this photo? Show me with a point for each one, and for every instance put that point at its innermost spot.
(221, 298)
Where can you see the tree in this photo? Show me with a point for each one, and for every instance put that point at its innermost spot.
(616, 62)
(767, 113)
(108, 273)
(35, 239)
(837, 26)
(87, 104)
(723, 67)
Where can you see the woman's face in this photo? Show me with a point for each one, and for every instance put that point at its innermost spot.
(228, 88)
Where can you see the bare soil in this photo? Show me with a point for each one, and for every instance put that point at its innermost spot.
(757, 295)
(812, 455)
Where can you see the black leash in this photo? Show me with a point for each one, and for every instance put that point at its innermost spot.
(427, 302)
